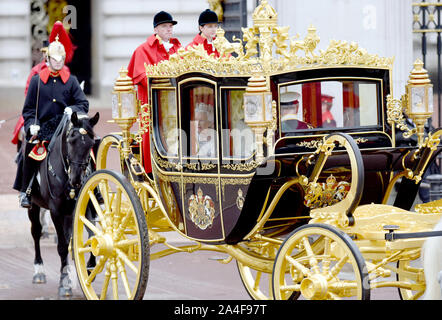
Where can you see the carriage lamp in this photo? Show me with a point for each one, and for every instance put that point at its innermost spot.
(124, 106)
(420, 98)
(258, 112)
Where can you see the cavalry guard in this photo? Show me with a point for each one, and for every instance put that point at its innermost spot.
(51, 93)
(208, 24)
(158, 47)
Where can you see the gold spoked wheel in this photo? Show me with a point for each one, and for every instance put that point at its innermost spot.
(258, 283)
(413, 276)
(334, 272)
(108, 154)
(115, 236)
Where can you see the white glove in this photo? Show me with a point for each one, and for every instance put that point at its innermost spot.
(34, 129)
(68, 111)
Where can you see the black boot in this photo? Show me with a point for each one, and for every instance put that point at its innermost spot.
(29, 169)
(25, 200)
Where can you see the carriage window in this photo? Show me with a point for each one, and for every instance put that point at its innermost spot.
(238, 138)
(167, 133)
(329, 104)
(199, 121)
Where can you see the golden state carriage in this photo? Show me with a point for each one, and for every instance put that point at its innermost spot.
(285, 162)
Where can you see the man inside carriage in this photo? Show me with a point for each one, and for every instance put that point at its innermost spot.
(51, 93)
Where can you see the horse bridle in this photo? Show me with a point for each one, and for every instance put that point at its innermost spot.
(83, 165)
(67, 162)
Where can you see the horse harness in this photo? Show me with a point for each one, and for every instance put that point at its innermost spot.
(68, 161)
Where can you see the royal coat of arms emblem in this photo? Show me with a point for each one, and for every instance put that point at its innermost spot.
(201, 210)
(326, 194)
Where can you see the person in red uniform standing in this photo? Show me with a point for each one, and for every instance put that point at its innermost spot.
(208, 24)
(158, 47)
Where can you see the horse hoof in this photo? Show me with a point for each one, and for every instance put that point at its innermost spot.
(64, 292)
(39, 278)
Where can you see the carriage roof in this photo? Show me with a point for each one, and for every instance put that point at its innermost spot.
(254, 53)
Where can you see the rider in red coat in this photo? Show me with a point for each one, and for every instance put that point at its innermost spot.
(208, 24)
(157, 48)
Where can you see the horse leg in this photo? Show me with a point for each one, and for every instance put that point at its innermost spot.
(34, 216)
(65, 284)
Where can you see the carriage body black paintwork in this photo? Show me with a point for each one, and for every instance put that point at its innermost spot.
(219, 199)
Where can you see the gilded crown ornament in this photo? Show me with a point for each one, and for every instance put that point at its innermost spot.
(256, 50)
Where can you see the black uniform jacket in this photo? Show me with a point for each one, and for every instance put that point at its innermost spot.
(55, 94)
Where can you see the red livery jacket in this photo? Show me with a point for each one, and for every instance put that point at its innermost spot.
(201, 40)
(150, 52)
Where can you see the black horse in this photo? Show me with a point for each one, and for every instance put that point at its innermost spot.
(60, 179)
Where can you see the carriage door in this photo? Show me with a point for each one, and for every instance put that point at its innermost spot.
(200, 159)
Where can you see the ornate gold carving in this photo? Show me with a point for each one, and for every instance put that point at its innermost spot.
(264, 35)
(196, 166)
(373, 217)
(264, 15)
(224, 47)
(165, 164)
(315, 144)
(430, 207)
(431, 142)
(201, 210)
(319, 195)
(342, 52)
(308, 45)
(249, 166)
(144, 119)
(395, 115)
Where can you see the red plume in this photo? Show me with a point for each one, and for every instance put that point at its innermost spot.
(64, 38)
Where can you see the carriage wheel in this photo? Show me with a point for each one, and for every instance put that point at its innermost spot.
(336, 271)
(405, 268)
(257, 283)
(119, 239)
(107, 143)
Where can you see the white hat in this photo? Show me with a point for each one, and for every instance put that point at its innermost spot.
(289, 97)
